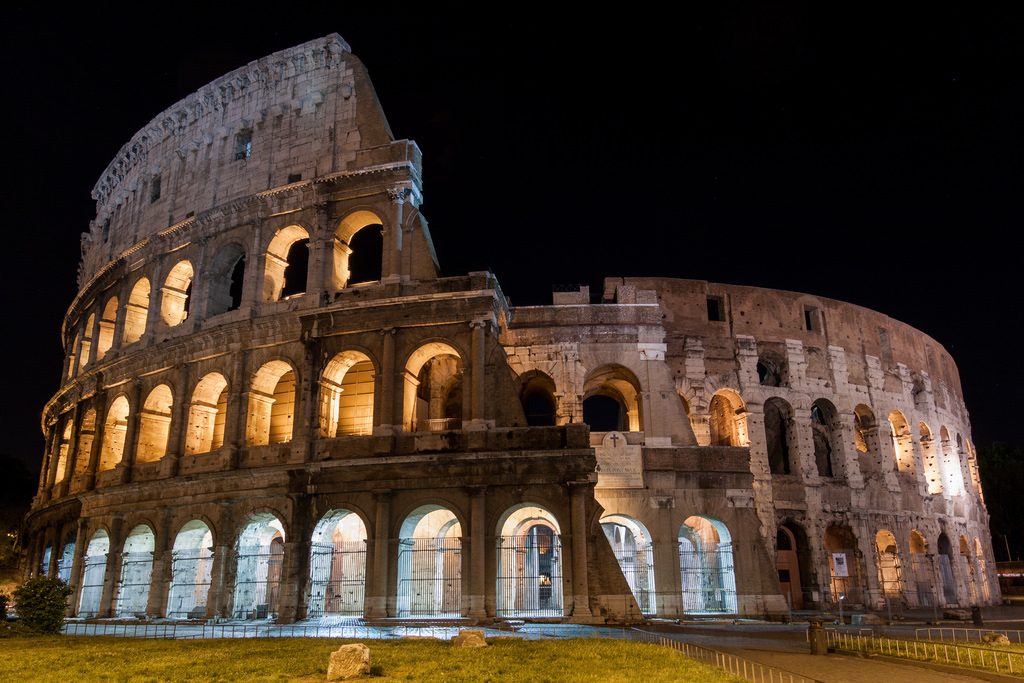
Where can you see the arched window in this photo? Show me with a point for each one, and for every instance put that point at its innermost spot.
(191, 567)
(114, 428)
(889, 569)
(537, 396)
(706, 566)
(136, 311)
(793, 564)
(430, 563)
(358, 249)
(346, 395)
(136, 572)
(771, 370)
(930, 456)
(62, 450)
(634, 551)
(206, 415)
(271, 404)
(94, 569)
(778, 420)
(227, 276)
(106, 334)
(902, 442)
(287, 260)
(529, 563)
(337, 566)
(433, 388)
(260, 554)
(825, 432)
(611, 400)
(866, 440)
(177, 294)
(154, 425)
(727, 420)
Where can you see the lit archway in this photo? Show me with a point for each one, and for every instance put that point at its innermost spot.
(191, 567)
(86, 437)
(94, 570)
(136, 572)
(843, 565)
(108, 319)
(433, 389)
(260, 555)
(177, 294)
(634, 551)
(114, 429)
(611, 400)
(930, 456)
(66, 560)
(358, 249)
(890, 570)
(227, 279)
(727, 419)
(287, 260)
(902, 442)
(154, 424)
(346, 395)
(337, 566)
(207, 414)
(924, 584)
(529, 563)
(271, 404)
(430, 563)
(136, 311)
(706, 566)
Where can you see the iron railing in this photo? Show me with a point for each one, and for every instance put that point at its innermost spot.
(945, 653)
(953, 634)
(337, 579)
(530, 576)
(430, 577)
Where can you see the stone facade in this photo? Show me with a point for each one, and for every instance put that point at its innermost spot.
(274, 407)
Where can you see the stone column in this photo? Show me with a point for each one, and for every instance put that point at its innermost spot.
(179, 424)
(295, 563)
(44, 470)
(255, 266)
(160, 577)
(477, 553)
(379, 598)
(112, 572)
(307, 422)
(478, 373)
(100, 404)
(219, 597)
(238, 407)
(153, 312)
(393, 234)
(55, 555)
(579, 492)
(385, 398)
(131, 436)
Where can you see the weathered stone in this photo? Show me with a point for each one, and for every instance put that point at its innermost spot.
(349, 661)
(469, 638)
(956, 614)
(993, 638)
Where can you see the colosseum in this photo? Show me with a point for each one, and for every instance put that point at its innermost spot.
(275, 407)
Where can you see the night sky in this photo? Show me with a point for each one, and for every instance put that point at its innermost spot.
(876, 163)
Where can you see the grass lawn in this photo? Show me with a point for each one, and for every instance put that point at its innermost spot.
(62, 658)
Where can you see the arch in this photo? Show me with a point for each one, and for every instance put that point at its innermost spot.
(44, 561)
(982, 565)
(62, 450)
(727, 419)
(176, 299)
(358, 249)
(287, 264)
(537, 396)
(85, 356)
(430, 563)
(945, 560)
(843, 565)
(433, 388)
(154, 424)
(83, 445)
(952, 474)
(337, 565)
(930, 457)
(706, 566)
(902, 442)
(620, 385)
(271, 404)
(207, 414)
(136, 311)
(972, 468)
(826, 432)
(115, 427)
(634, 551)
(346, 395)
(778, 434)
(66, 560)
(793, 563)
(94, 569)
(136, 572)
(108, 319)
(529, 563)
(260, 553)
(191, 571)
(771, 370)
(890, 569)
(227, 278)
(72, 361)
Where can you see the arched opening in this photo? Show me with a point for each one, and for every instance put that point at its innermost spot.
(191, 566)
(771, 371)
(844, 569)
(727, 419)
(177, 294)
(72, 360)
(923, 575)
(287, 260)
(952, 475)
(358, 249)
(86, 354)
(537, 396)
(106, 333)
(114, 429)
(972, 466)
(529, 563)
(136, 311)
(227, 276)
(902, 442)
(979, 560)
(706, 566)
(44, 561)
(66, 560)
(207, 414)
(260, 553)
(945, 560)
(792, 562)
(430, 564)
(62, 450)
(136, 572)
(967, 570)
(94, 569)
(271, 404)
(346, 395)
(634, 551)
(154, 425)
(433, 389)
(930, 457)
(778, 435)
(611, 400)
(889, 569)
(337, 566)
(86, 437)
(826, 433)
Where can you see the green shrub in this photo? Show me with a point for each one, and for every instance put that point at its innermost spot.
(4, 600)
(41, 603)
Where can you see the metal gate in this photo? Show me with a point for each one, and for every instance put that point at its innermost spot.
(94, 571)
(337, 579)
(636, 562)
(890, 574)
(530, 574)
(133, 588)
(430, 577)
(708, 578)
(190, 583)
(948, 582)
(257, 582)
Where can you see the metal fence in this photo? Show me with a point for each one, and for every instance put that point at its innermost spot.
(190, 583)
(708, 578)
(737, 666)
(944, 634)
(530, 575)
(945, 653)
(637, 565)
(337, 579)
(430, 577)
